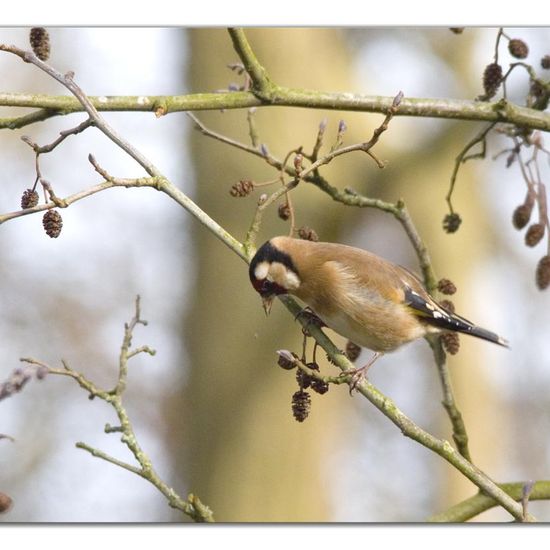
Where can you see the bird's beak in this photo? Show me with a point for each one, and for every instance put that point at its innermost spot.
(267, 302)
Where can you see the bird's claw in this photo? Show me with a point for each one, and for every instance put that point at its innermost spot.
(311, 318)
(355, 376)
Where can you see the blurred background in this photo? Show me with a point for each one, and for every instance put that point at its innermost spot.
(212, 409)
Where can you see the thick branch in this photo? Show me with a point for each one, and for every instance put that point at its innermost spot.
(473, 506)
(261, 83)
(453, 109)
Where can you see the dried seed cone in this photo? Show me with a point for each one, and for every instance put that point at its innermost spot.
(313, 366)
(447, 305)
(301, 404)
(241, 188)
(536, 89)
(353, 351)
(446, 286)
(492, 77)
(545, 62)
(451, 222)
(52, 222)
(40, 42)
(5, 502)
(303, 379)
(285, 362)
(521, 215)
(29, 199)
(451, 342)
(543, 273)
(534, 234)
(518, 48)
(284, 211)
(538, 97)
(308, 234)
(319, 386)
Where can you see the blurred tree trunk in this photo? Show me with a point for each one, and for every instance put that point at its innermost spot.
(241, 449)
(238, 446)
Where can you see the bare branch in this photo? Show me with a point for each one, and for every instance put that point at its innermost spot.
(192, 506)
(479, 503)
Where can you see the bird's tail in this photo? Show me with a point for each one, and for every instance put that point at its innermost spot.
(431, 313)
(458, 324)
(469, 328)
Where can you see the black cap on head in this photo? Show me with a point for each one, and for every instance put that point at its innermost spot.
(269, 253)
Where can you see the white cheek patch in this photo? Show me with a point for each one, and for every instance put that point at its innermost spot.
(261, 271)
(279, 274)
(291, 282)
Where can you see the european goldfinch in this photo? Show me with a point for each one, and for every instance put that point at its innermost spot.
(369, 300)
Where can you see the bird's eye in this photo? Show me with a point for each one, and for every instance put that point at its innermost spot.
(268, 287)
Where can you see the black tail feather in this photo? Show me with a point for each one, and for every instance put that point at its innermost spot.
(455, 323)
(432, 313)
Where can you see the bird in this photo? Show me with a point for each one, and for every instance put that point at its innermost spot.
(367, 299)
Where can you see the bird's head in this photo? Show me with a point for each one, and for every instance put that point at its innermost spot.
(272, 272)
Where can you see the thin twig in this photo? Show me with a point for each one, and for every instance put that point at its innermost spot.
(192, 506)
(364, 146)
(64, 134)
(264, 202)
(253, 150)
(252, 130)
(69, 83)
(318, 141)
(463, 156)
(460, 435)
(104, 456)
(92, 190)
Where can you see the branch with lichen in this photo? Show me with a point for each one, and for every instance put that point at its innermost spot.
(192, 506)
(265, 93)
(479, 503)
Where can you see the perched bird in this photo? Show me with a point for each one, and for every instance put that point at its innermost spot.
(369, 300)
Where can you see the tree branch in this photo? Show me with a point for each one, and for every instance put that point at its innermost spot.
(450, 109)
(261, 83)
(460, 436)
(473, 506)
(192, 507)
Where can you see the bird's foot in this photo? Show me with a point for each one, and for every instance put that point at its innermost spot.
(355, 376)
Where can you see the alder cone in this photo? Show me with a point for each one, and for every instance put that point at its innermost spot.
(52, 222)
(40, 43)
